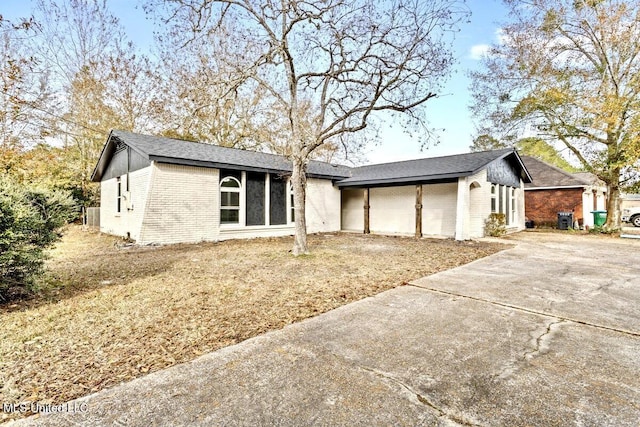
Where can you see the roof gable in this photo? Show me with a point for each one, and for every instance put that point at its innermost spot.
(430, 169)
(549, 176)
(168, 150)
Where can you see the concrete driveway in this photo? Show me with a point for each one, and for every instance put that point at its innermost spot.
(544, 334)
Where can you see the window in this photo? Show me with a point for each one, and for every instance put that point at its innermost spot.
(293, 210)
(513, 205)
(119, 197)
(494, 204)
(503, 200)
(229, 201)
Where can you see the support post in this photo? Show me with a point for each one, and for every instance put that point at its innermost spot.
(366, 211)
(418, 211)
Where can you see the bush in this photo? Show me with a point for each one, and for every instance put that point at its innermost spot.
(495, 225)
(30, 219)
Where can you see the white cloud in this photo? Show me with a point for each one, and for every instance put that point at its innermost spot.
(479, 51)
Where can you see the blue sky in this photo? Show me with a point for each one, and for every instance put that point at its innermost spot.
(449, 112)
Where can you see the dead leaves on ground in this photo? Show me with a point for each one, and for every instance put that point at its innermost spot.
(116, 313)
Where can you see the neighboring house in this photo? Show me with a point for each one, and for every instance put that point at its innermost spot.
(554, 190)
(161, 190)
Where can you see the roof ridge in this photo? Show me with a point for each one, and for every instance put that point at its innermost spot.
(223, 147)
(435, 157)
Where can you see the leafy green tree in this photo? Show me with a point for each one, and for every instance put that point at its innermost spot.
(485, 142)
(542, 150)
(570, 70)
(30, 219)
(531, 146)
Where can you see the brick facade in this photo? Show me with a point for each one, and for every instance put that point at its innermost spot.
(542, 206)
(182, 205)
(176, 204)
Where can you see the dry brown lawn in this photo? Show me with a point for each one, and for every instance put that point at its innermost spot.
(111, 312)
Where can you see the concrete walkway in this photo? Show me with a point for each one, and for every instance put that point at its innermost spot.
(544, 334)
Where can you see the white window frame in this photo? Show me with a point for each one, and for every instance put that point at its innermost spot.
(119, 195)
(494, 198)
(514, 211)
(240, 204)
(290, 204)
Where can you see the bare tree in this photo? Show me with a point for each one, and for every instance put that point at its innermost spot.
(133, 89)
(571, 70)
(202, 98)
(348, 60)
(23, 87)
(98, 79)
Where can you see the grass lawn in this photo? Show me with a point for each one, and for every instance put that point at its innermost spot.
(111, 312)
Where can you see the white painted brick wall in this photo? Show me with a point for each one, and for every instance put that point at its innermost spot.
(352, 216)
(439, 203)
(479, 203)
(392, 210)
(182, 205)
(128, 221)
(109, 219)
(322, 206)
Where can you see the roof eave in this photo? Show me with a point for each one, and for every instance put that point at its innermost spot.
(237, 167)
(98, 170)
(216, 165)
(558, 187)
(402, 180)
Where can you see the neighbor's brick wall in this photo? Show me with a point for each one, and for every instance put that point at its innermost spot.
(182, 205)
(322, 206)
(542, 206)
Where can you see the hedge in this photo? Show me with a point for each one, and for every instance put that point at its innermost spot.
(30, 220)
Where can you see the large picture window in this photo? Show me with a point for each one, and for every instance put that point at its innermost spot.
(229, 200)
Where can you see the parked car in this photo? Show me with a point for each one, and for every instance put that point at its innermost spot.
(631, 215)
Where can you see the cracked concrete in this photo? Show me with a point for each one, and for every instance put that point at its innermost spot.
(475, 346)
(541, 341)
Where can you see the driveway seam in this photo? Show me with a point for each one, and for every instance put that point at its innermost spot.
(526, 310)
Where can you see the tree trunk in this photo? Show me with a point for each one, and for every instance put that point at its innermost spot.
(613, 208)
(299, 184)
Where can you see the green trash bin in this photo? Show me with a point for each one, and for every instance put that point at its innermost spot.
(599, 218)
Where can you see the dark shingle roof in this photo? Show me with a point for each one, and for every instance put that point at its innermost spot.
(423, 170)
(168, 150)
(548, 176)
